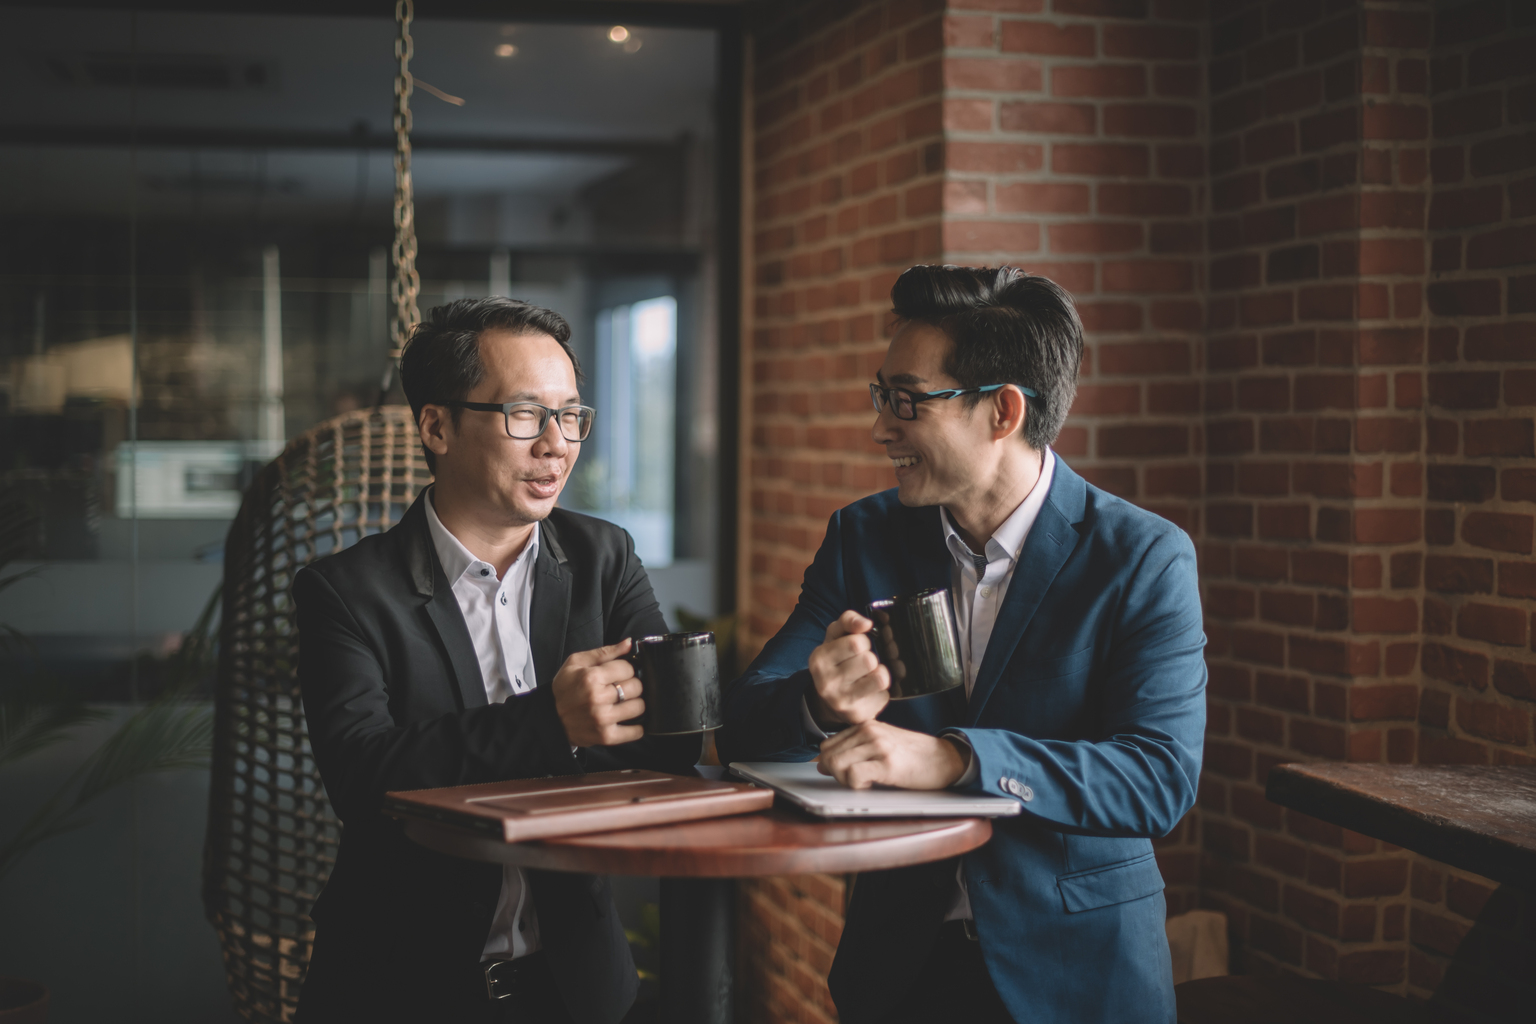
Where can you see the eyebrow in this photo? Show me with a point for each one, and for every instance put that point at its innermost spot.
(907, 378)
(529, 396)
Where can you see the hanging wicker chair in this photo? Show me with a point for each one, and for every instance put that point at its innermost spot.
(272, 836)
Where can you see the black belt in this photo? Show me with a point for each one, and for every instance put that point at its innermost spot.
(502, 979)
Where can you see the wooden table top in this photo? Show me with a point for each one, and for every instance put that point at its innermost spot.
(1475, 817)
(774, 842)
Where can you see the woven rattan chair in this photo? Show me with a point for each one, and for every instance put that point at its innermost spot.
(271, 834)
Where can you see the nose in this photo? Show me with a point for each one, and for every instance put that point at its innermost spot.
(552, 441)
(887, 427)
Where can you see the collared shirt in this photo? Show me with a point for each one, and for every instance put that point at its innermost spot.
(979, 582)
(979, 585)
(496, 613)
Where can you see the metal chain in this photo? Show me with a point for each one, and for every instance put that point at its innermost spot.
(406, 285)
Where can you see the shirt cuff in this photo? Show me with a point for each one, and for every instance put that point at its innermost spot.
(808, 721)
(972, 768)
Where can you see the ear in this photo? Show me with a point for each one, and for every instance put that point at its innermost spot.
(1009, 407)
(435, 428)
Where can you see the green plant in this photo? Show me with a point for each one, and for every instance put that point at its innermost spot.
(165, 734)
(647, 936)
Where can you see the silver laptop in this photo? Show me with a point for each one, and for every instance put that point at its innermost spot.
(800, 783)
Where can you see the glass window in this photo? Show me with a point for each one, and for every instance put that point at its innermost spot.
(195, 224)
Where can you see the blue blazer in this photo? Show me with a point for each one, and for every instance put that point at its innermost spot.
(1088, 708)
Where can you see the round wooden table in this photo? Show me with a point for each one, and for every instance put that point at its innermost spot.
(698, 862)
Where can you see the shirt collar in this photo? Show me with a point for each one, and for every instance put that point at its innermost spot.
(1008, 540)
(457, 560)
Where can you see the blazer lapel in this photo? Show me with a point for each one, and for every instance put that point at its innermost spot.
(1051, 541)
(441, 606)
(551, 606)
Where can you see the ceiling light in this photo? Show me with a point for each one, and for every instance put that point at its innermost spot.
(506, 50)
(618, 33)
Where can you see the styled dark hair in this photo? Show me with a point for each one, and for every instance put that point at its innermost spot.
(441, 362)
(1006, 327)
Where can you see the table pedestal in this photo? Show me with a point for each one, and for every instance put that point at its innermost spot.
(698, 918)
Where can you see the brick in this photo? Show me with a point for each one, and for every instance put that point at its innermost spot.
(1464, 390)
(1102, 159)
(1447, 574)
(1099, 80)
(1515, 679)
(1503, 248)
(1150, 120)
(1375, 877)
(1373, 703)
(1096, 236)
(1453, 665)
(1493, 624)
(1506, 342)
(1498, 531)
(1020, 36)
(991, 236)
(1494, 437)
(994, 157)
(1029, 197)
(1497, 722)
(1464, 298)
(991, 74)
(1385, 615)
(1048, 118)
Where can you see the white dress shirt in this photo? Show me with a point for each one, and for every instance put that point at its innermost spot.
(496, 613)
(978, 593)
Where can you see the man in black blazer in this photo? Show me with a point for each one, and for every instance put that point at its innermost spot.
(482, 638)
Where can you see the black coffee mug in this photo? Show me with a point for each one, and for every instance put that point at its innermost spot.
(917, 639)
(681, 678)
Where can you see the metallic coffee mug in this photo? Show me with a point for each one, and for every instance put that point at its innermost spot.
(916, 638)
(681, 678)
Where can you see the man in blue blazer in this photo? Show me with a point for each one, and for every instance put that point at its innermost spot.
(1084, 701)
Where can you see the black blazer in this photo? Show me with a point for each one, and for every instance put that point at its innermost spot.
(394, 700)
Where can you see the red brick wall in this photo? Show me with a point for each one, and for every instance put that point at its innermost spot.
(1300, 235)
(1319, 120)
(1478, 577)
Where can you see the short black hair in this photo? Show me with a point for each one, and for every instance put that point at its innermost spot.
(1006, 327)
(441, 362)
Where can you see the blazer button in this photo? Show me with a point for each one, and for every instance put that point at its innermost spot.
(1005, 784)
(1026, 794)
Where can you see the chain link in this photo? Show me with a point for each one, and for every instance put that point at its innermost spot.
(406, 285)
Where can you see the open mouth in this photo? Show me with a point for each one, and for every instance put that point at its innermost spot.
(904, 461)
(544, 486)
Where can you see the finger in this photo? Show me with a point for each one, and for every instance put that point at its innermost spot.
(613, 735)
(848, 622)
(865, 774)
(600, 655)
(608, 714)
(602, 677)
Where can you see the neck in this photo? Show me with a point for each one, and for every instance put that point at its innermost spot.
(978, 515)
(488, 538)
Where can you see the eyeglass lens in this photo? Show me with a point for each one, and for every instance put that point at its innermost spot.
(526, 422)
(901, 403)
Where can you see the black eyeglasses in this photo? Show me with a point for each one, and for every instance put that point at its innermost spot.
(904, 403)
(528, 420)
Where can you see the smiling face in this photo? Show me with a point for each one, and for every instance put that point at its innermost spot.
(948, 455)
(509, 482)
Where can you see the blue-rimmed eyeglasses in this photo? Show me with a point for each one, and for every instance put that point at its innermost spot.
(528, 420)
(904, 403)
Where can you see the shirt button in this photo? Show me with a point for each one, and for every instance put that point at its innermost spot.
(986, 591)
(485, 572)
(503, 598)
